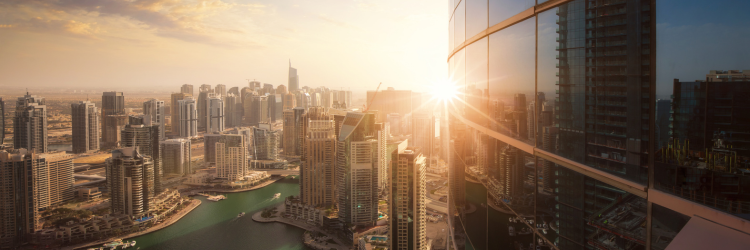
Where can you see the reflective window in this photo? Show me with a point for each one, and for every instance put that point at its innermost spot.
(451, 31)
(703, 81)
(511, 80)
(459, 34)
(504, 9)
(547, 81)
(476, 17)
(476, 82)
(601, 81)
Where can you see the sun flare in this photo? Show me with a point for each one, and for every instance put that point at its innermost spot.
(443, 90)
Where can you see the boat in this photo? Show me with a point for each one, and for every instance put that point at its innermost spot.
(114, 244)
(511, 231)
(217, 198)
(277, 195)
(241, 214)
(128, 244)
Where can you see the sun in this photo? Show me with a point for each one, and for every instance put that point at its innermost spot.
(443, 90)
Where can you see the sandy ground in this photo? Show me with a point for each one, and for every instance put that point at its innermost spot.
(438, 233)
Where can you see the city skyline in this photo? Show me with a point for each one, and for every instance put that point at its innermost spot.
(544, 125)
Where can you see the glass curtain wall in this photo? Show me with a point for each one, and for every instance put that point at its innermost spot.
(567, 107)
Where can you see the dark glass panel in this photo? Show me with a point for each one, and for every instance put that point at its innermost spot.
(511, 80)
(703, 81)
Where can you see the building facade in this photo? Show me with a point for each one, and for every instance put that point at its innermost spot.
(113, 104)
(155, 112)
(176, 156)
(265, 142)
(85, 122)
(187, 89)
(146, 140)
(231, 157)
(317, 186)
(30, 124)
(188, 115)
(203, 96)
(175, 111)
(214, 114)
(19, 171)
(407, 208)
(130, 180)
(356, 170)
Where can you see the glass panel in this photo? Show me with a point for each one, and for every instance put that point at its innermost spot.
(476, 17)
(459, 34)
(545, 203)
(588, 212)
(665, 224)
(504, 9)
(703, 81)
(476, 82)
(601, 80)
(451, 43)
(511, 80)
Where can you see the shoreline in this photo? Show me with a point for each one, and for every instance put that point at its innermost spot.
(194, 204)
(259, 186)
(175, 219)
(302, 225)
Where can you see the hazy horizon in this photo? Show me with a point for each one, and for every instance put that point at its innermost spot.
(162, 44)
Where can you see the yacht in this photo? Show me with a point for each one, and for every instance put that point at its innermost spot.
(217, 198)
(277, 195)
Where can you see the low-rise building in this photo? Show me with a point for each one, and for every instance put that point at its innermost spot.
(88, 193)
(295, 209)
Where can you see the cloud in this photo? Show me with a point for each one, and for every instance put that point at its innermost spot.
(63, 27)
(336, 22)
(179, 19)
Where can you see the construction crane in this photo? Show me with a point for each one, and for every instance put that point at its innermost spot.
(373, 98)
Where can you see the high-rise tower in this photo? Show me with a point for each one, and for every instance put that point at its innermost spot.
(214, 119)
(175, 111)
(317, 171)
(113, 104)
(30, 124)
(146, 139)
(188, 114)
(407, 208)
(176, 155)
(293, 79)
(154, 110)
(187, 89)
(357, 170)
(130, 180)
(85, 119)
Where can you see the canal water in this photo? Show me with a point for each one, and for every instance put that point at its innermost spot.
(214, 225)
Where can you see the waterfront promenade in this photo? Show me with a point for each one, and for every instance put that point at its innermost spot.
(270, 181)
(300, 224)
(193, 204)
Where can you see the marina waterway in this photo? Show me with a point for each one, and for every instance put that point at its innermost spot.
(215, 225)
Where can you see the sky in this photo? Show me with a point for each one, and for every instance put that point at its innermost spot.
(162, 44)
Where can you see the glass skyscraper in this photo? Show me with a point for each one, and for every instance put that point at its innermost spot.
(553, 138)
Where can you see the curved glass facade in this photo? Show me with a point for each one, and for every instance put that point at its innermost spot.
(596, 124)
